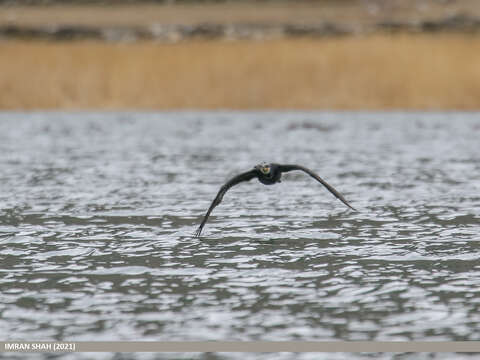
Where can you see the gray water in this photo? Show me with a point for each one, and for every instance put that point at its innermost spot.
(98, 212)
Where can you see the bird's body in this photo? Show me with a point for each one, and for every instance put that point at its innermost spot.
(267, 174)
(272, 177)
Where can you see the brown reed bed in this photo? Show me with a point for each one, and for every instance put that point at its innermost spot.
(396, 71)
(356, 12)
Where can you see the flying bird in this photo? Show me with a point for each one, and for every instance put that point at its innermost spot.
(267, 174)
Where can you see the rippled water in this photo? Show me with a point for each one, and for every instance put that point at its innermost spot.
(98, 212)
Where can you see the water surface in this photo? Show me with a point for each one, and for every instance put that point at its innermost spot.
(98, 212)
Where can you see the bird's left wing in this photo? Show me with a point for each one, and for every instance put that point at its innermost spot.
(286, 168)
(246, 176)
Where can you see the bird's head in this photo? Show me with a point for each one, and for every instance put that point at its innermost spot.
(264, 168)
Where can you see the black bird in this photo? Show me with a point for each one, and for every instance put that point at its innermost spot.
(267, 174)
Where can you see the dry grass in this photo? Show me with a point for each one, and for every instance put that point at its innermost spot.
(351, 12)
(373, 72)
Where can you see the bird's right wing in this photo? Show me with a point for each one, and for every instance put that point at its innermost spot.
(286, 168)
(246, 176)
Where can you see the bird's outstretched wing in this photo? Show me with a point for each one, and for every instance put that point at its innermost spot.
(286, 168)
(246, 176)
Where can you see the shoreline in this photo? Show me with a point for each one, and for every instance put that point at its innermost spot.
(235, 20)
(172, 33)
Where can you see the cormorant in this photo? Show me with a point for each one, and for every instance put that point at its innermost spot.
(267, 174)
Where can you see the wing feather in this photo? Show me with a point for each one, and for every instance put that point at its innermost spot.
(246, 176)
(286, 168)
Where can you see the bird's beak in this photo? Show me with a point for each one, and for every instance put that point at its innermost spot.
(263, 169)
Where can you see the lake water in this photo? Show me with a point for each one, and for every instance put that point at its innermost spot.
(98, 213)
